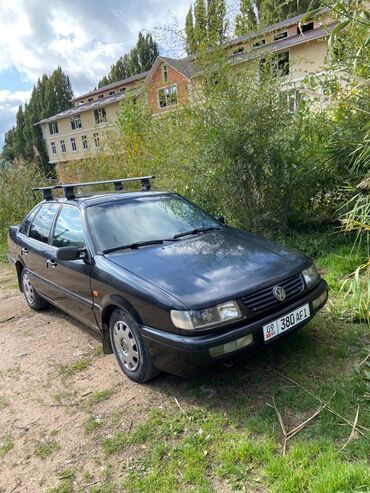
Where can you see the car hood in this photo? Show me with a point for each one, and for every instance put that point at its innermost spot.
(212, 267)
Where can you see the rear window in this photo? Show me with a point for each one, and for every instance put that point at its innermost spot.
(28, 220)
(41, 224)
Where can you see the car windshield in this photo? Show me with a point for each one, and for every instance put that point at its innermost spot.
(141, 219)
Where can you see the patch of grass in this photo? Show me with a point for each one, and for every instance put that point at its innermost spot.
(65, 484)
(106, 487)
(6, 445)
(338, 264)
(3, 402)
(80, 365)
(92, 424)
(99, 396)
(70, 370)
(116, 443)
(46, 448)
(64, 398)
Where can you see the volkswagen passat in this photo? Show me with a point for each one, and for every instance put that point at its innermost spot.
(168, 286)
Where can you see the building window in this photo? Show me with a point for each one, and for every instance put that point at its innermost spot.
(100, 115)
(122, 89)
(73, 144)
(90, 100)
(259, 43)
(101, 96)
(279, 36)
(53, 127)
(305, 27)
(167, 96)
(96, 140)
(280, 64)
(84, 142)
(164, 69)
(111, 93)
(53, 148)
(81, 102)
(238, 50)
(293, 99)
(76, 122)
(63, 145)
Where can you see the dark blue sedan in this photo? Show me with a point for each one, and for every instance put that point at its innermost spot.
(168, 286)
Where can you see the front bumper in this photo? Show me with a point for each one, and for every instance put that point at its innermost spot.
(186, 355)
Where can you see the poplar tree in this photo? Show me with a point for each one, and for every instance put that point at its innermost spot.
(216, 21)
(200, 24)
(246, 19)
(19, 142)
(189, 32)
(140, 59)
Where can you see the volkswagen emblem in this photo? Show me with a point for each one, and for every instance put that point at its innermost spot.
(279, 293)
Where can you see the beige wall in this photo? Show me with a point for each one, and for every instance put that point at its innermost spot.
(308, 58)
(89, 127)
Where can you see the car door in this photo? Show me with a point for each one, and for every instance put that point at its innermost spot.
(35, 248)
(70, 279)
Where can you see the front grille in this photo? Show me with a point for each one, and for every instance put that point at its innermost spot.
(263, 299)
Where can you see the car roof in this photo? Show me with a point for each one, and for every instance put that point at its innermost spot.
(105, 197)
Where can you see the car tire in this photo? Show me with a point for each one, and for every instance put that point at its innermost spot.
(129, 348)
(32, 297)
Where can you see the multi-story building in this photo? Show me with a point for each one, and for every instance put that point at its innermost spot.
(298, 48)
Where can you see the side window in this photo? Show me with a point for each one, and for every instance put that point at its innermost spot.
(68, 229)
(28, 220)
(40, 226)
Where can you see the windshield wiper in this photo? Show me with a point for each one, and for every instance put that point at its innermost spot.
(195, 231)
(137, 244)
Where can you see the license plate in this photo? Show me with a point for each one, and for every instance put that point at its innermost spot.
(286, 322)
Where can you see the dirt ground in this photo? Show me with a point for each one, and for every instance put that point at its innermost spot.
(44, 399)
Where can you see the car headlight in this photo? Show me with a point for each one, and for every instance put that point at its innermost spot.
(200, 319)
(310, 275)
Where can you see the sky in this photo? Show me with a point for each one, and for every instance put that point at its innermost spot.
(84, 37)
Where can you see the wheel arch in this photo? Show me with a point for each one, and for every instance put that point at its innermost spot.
(112, 303)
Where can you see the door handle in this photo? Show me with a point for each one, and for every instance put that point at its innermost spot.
(24, 251)
(52, 262)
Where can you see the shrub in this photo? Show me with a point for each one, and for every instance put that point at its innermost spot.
(16, 197)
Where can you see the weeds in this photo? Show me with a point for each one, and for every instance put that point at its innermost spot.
(6, 445)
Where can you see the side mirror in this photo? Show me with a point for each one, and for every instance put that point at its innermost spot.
(221, 219)
(71, 253)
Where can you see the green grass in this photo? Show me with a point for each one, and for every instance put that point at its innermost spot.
(3, 402)
(6, 445)
(99, 396)
(92, 424)
(70, 370)
(65, 484)
(46, 448)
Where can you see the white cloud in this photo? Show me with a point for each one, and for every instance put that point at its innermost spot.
(9, 104)
(84, 37)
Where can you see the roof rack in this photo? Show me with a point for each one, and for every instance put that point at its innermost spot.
(69, 188)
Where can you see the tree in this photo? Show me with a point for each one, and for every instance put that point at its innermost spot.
(246, 20)
(216, 21)
(19, 142)
(140, 59)
(265, 12)
(8, 148)
(200, 24)
(189, 32)
(49, 96)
